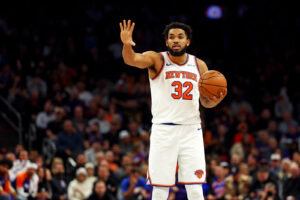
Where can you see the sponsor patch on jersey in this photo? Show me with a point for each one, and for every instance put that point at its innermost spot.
(199, 173)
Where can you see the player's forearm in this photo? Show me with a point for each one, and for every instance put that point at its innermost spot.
(128, 55)
(134, 59)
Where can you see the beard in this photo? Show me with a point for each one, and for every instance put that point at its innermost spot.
(177, 53)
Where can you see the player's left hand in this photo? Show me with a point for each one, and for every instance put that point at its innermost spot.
(218, 99)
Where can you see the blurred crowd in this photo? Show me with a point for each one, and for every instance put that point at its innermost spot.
(92, 114)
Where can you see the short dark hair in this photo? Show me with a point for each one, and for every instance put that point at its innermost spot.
(187, 29)
(7, 162)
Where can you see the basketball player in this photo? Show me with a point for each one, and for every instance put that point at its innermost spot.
(176, 135)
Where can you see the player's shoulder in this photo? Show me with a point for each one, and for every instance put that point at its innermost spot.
(156, 57)
(202, 65)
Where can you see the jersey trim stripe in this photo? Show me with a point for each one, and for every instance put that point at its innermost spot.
(197, 65)
(187, 59)
(191, 183)
(153, 184)
(163, 65)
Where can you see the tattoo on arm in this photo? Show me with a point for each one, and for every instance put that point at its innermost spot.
(206, 100)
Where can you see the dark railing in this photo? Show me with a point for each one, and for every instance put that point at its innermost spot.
(12, 117)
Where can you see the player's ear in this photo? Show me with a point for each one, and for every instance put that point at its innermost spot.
(167, 43)
(188, 42)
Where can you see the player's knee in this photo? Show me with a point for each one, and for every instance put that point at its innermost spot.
(160, 193)
(194, 192)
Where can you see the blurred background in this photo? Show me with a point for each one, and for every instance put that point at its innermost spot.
(69, 104)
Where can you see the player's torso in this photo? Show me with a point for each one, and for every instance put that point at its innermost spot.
(175, 93)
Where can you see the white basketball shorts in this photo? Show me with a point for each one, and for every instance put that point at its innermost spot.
(172, 144)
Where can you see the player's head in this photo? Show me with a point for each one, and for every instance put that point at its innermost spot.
(178, 37)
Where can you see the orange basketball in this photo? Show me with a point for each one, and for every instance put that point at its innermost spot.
(212, 83)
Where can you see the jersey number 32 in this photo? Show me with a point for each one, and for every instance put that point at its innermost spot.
(182, 90)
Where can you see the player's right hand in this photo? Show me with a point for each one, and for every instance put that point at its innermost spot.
(126, 32)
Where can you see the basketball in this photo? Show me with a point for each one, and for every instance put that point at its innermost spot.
(212, 83)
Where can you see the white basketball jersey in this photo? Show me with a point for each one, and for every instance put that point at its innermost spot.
(175, 92)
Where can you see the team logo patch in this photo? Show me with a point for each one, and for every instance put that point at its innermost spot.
(199, 173)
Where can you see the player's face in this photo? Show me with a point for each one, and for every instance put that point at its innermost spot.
(177, 42)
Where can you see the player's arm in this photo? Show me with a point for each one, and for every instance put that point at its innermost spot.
(145, 60)
(206, 102)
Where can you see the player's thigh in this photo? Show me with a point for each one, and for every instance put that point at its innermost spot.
(163, 154)
(163, 143)
(191, 158)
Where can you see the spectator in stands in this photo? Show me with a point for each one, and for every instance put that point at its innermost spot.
(44, 187)
(292, 135)
(264, 120)
(226, 168)
(218, 185)
(78, 189)
(125, 144)
(27, 183)
(59, 183)
(44, 117)
(90, 170)
(68, 142)
(79, 121)
(285, 171)
(236, 185)
(116, 149)
(275, 162)
(91, 153)
(273, 129)
(93, 133)
(56, 126)
(80, 160)
(100, 192)
(84, 95)
(6, 190)
(239, 104)
(63, 74)
(134, 131)
(273, 144)
(35, 83)
(296, 157)
(269, 192)
(235, 161)
(262, 143)
(124, 169)
(283, 105)
(242, 148)
(138, 153)
(91, 110)
(134, 186)
(262, 177)
(292, 184)
(10, 156)
(287, 121)
(243, 129)
(105, 175)
(102, 123)
(109, 156)
(99, 157)
(19, 165)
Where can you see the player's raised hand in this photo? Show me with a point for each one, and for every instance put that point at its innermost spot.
(126, 32)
